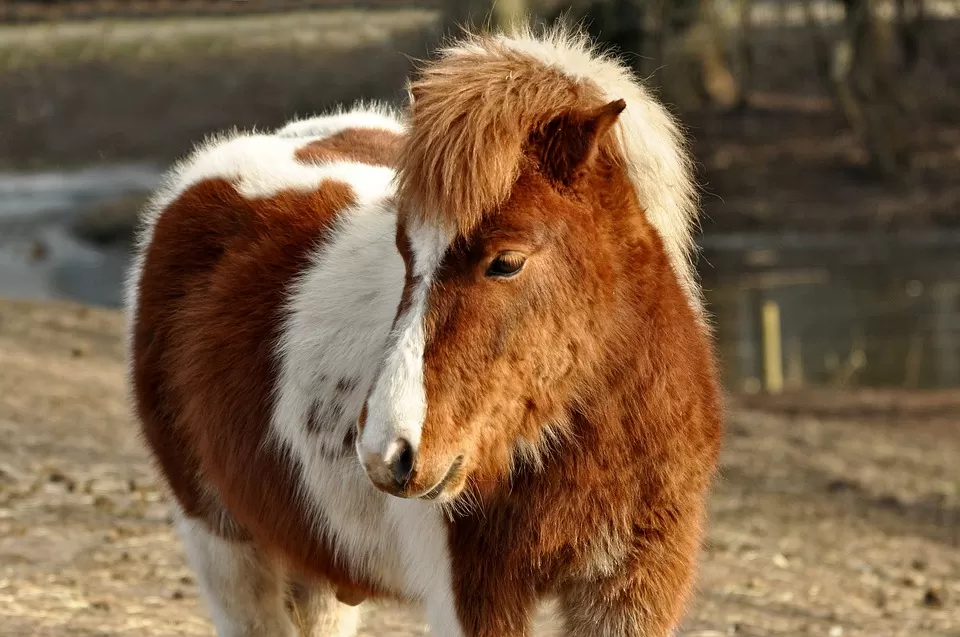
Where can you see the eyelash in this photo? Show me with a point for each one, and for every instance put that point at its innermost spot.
(506, 265)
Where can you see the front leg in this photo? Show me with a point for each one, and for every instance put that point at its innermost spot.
(244, 587)
(489, 601)
(644, 597)
(465, 587)
(493, 593)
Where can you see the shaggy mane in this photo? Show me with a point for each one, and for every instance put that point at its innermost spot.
(474, 107)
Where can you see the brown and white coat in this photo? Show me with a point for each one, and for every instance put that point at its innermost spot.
(454, 356)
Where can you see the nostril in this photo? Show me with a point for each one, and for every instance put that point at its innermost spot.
(402, 462)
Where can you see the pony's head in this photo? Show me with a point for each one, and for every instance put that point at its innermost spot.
(540, 189)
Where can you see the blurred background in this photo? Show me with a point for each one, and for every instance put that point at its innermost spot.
(827, 140)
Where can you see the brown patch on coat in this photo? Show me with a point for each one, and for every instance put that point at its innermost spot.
(345, 387)
(411, 280)
(214, 281)
(349, 444)
(373, 146)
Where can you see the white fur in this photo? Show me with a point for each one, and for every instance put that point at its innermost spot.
(339, 315)
(426, 561)
(370, 116)
(322, 615)
(340, 312)
(244, 590)
(653, 145)
(398, 403)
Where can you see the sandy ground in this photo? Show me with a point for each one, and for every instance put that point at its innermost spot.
(820, 525)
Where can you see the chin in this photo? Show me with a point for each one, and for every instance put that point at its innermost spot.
(445, 497)
(451, 494)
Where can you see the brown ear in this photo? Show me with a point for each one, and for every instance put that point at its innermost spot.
(568, 144)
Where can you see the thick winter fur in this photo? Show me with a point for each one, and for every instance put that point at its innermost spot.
(349, 400)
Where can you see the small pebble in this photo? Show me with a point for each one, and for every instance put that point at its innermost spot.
(39, 251)
(912, 580)
(932, 598)
(880, 599)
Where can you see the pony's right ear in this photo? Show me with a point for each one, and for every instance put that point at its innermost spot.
(567, 145)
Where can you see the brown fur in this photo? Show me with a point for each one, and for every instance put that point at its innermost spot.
(621, 364)
(375, 147)
(595, 338)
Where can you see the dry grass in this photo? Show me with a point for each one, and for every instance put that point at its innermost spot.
(113, 91)
(24, 46)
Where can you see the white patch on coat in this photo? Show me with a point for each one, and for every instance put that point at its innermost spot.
(398, 403)
(339, 317)
(243, 588)
(375, 116)
(340, 314)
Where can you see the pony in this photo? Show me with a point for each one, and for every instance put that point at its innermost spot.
(454, 355)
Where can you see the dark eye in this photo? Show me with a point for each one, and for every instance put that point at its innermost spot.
(506, 265)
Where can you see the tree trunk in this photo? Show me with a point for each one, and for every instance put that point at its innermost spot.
(866, 85)
(696, 70)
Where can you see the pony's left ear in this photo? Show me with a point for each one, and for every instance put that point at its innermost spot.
(568, 144)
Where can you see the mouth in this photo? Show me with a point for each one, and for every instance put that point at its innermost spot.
(452, 474)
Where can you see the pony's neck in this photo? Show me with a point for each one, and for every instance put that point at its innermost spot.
(658, 370)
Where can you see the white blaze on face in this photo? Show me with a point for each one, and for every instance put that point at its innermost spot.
(398, 402)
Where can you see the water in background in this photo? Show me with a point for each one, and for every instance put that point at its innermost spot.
(40, 255)
(853, 311)
(847, 311)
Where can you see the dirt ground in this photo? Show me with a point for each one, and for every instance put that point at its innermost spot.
(827, 525)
